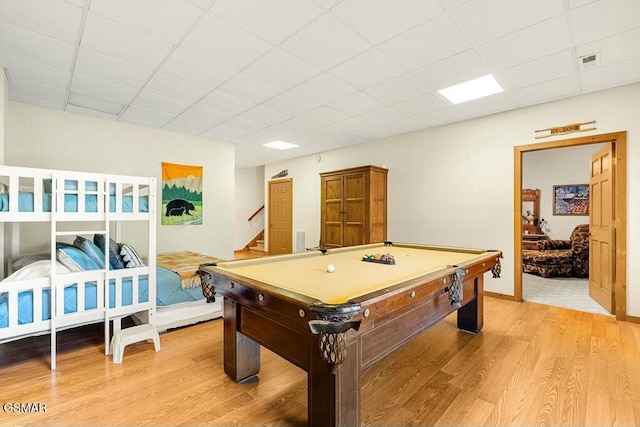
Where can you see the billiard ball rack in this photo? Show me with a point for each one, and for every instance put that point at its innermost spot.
(383, 259)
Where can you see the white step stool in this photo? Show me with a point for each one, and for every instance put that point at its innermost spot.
(132, 335)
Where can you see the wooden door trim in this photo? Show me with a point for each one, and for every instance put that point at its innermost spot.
(268, 228)
(619, 140)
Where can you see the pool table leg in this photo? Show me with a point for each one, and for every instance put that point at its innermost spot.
(471, 315)
(241, 354)
(334, 397)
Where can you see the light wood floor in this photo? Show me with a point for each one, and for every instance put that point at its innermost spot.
(531, 365)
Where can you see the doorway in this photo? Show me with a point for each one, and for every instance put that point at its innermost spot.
(280, 217)
(618, 202)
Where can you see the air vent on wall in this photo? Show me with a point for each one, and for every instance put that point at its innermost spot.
(301, 241)
(588, 62)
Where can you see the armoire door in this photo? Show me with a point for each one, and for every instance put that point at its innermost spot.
(332, 212)
(354, 208)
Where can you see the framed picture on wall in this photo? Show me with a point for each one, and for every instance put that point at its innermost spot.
(571, 199)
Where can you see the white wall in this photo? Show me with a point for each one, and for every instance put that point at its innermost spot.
(44, 138)
(249, 196)
(561, 166)
(453, 185)
(4, 101)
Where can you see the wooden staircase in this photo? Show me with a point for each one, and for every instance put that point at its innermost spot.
(257, 244)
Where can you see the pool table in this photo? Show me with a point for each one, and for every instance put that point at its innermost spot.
(336, 325)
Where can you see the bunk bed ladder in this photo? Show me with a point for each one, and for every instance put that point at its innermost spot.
(57, 216)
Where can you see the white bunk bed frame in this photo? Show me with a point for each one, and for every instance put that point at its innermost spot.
(15, 179)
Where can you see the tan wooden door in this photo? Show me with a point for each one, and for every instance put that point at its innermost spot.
(280, 217)
(601, 227)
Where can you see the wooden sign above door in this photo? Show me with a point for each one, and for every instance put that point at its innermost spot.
(565, 129)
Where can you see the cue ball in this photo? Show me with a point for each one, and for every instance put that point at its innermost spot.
(331, 268)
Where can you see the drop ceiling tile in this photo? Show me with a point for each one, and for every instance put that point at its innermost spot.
(45, 94)
(166, 20)
(227, 103)
(459, 68)
(548, 68)
(404, 126)
(290, 104)
(488, 105)
(195, 68)
(326, 42)
(531, 43)
(79, 3)
(35, 72)
(610, 76)
(348, 125)
(153, 101)
(89, 112)
(423, 45)
(264, 136)
(381, 116)
(221, 133)
(123, 43)
(450, 4)
(618, 48)
(604, 18)
(54, 104)
(323, 116)
(263, 115)
(422, 105)
(379, 20)
(367, 69)
(398, 89)
(102, 67)
(441, 117)
(206, 115)
(36, 15)
(186, 125)
(281, 69)
(146, 117)
(324, 88)
(248, 88)
(36, 47)
(485, 20)
(273, 21)
(295, 125)
(162, 84)
(244, 125)
(102, 89)
(549, 90)
(224, 43)
(327, 4)
(357, 103)
(202, 4)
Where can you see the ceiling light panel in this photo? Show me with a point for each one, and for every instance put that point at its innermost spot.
(280, 145)
(472, 89)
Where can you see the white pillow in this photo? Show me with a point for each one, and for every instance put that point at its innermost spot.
(36, 270)
(130, 256)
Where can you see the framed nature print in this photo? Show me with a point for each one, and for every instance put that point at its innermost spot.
(571, 199)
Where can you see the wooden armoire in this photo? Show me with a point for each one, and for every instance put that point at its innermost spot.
(353, 206)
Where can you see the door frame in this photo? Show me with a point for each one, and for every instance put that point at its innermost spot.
(269, 211)
(619, 140)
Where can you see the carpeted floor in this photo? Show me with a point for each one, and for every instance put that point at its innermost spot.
(561, 292)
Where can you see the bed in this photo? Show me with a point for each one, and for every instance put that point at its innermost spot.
(79, 283)
(180, 301)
